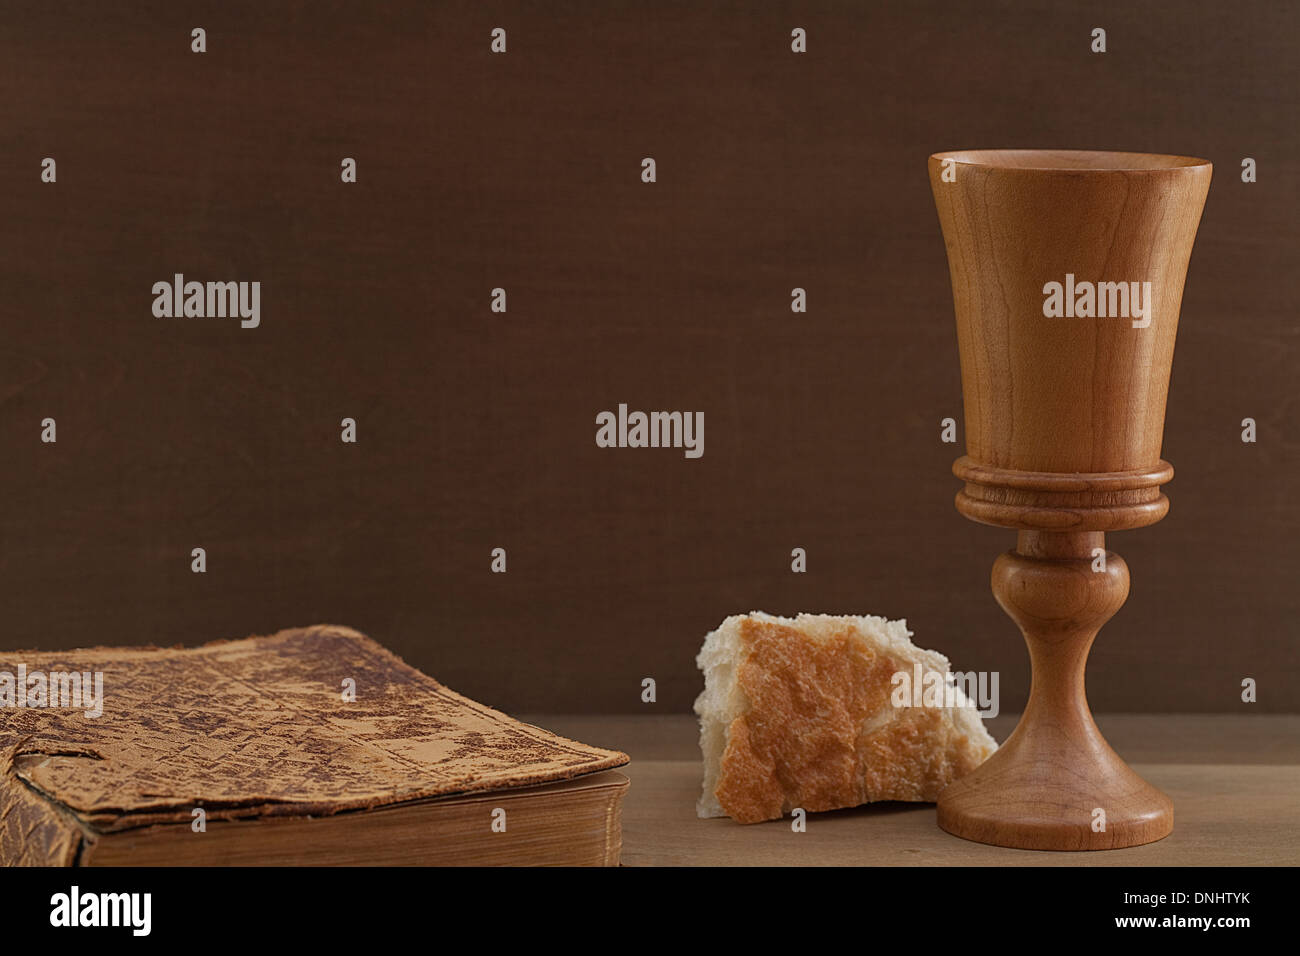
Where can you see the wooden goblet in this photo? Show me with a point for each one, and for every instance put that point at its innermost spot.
(1067, 276)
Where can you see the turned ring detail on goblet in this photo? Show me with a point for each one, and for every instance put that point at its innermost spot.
(1067, 275)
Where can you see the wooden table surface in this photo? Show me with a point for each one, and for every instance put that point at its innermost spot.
(1234, 780)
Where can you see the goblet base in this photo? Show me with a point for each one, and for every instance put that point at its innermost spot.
(1046, 789)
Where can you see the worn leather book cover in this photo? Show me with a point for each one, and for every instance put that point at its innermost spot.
(306, 723)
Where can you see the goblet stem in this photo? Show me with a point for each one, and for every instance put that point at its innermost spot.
(1055, 784)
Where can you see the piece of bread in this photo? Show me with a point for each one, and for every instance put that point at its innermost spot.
(798, 713)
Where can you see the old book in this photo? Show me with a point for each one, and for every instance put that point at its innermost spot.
(310, 746)
(808, 712)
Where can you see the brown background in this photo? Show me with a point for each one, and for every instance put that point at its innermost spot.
(477, 430)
